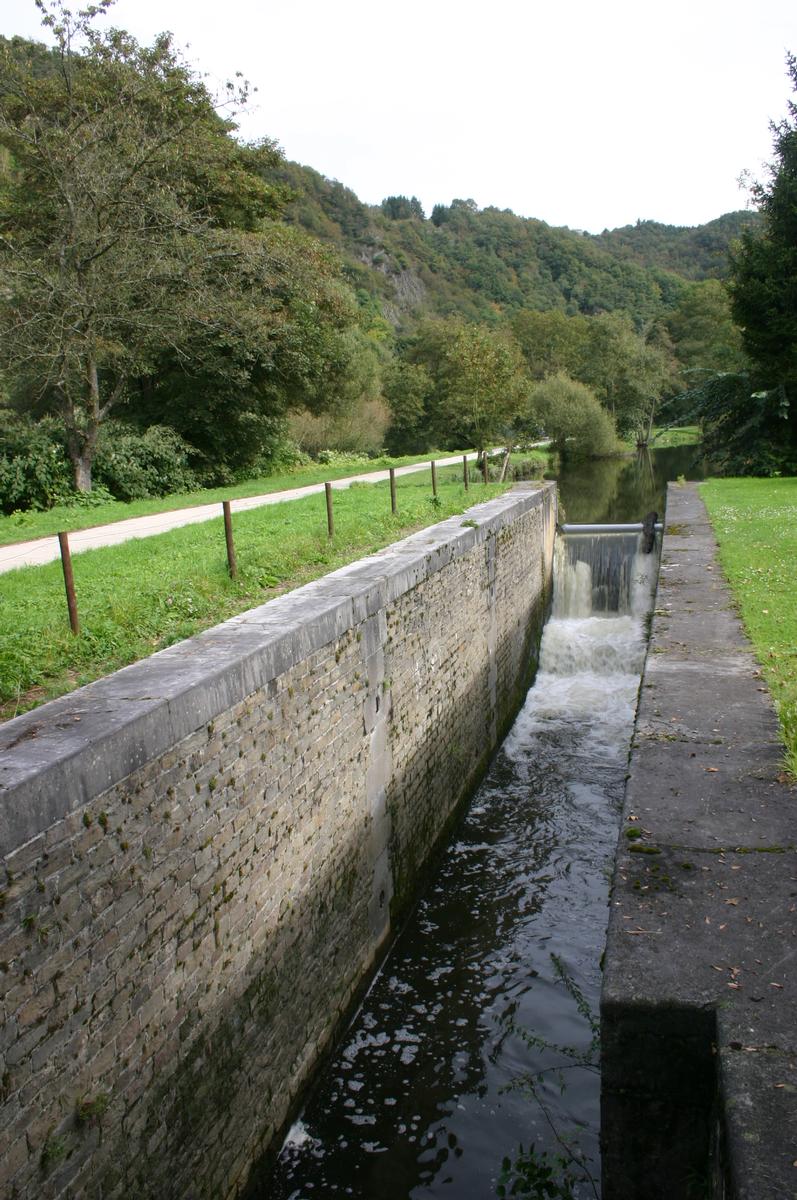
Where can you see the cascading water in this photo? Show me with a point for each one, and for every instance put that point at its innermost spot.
(476, 1037)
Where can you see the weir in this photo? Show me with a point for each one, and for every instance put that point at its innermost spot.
(447, 1081)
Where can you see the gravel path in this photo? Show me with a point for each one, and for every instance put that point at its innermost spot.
(44, 550)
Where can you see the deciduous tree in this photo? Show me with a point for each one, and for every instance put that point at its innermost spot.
(136, 232)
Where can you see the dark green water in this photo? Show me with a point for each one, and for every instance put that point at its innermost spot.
(495, 972)
(623, 489)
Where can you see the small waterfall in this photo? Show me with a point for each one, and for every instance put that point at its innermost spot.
(601, 574)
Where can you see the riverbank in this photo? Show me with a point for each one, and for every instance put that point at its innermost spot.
(698, 1046)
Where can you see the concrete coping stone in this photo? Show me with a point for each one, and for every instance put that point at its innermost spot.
(705, 889)
(56, 758)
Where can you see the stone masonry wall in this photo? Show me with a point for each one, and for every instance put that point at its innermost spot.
(203, 851)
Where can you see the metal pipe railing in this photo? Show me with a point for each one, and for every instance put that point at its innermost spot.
(635, 527)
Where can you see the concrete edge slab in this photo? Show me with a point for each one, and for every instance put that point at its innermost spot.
(703, 905)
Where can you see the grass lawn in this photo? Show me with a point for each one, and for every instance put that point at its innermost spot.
(680, 435)
(755, 521)
(665, 438)
(24, 526)
(136, 598)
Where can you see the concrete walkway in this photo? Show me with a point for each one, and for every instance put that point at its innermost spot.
(44, 550)
(699, 1005)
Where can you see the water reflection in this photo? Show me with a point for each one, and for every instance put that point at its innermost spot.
(624, 489)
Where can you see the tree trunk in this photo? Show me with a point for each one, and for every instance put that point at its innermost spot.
(82, 429)
(81, 465)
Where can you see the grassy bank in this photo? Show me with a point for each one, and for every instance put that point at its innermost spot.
(755, 521)
(24, 526)
(136, 598)
(676, 435)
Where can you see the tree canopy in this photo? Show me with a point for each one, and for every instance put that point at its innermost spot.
(139, 251)
(751, 414)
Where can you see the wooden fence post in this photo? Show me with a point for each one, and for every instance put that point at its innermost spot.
(393, 508)
(69, 582)
(465, 477)
(485, 468)
(330, 517)
(231, 563)
(434, 479)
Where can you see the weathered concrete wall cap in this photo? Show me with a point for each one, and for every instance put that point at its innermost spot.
(698, 1006)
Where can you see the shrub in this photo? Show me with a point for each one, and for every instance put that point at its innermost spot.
(34, 466)
(357, 429)
(134, 465)
(35, 471)
(573, 418)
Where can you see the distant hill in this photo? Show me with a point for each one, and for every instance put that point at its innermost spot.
(695, 253)
(485, 263)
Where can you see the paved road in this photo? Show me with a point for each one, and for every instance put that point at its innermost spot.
(44, 550)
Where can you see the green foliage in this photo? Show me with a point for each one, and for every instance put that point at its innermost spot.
(627, 371)
(409, 389)
(694, 253)
(538, 1175)
(745, 432)
(483, 387)
(35, 472)
(140, 261)
(399, 208)
(760, 426)
(34, 466)
(573, 418)
(457, 384)
(703, 330)
(133, 465)
(480, 264)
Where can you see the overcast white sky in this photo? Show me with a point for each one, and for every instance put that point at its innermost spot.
(583, 113)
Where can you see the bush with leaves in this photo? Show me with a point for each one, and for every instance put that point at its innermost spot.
(34, 466)
(573, 418)
(133, 465)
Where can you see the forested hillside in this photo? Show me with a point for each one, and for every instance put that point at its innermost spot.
(177, 307)
(695, 253)
(480, 264)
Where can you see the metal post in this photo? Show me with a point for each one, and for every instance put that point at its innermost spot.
(393, 507)
(330, 517)
(434, 479)
(465, 478)
(69, 582)
(231, 563)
